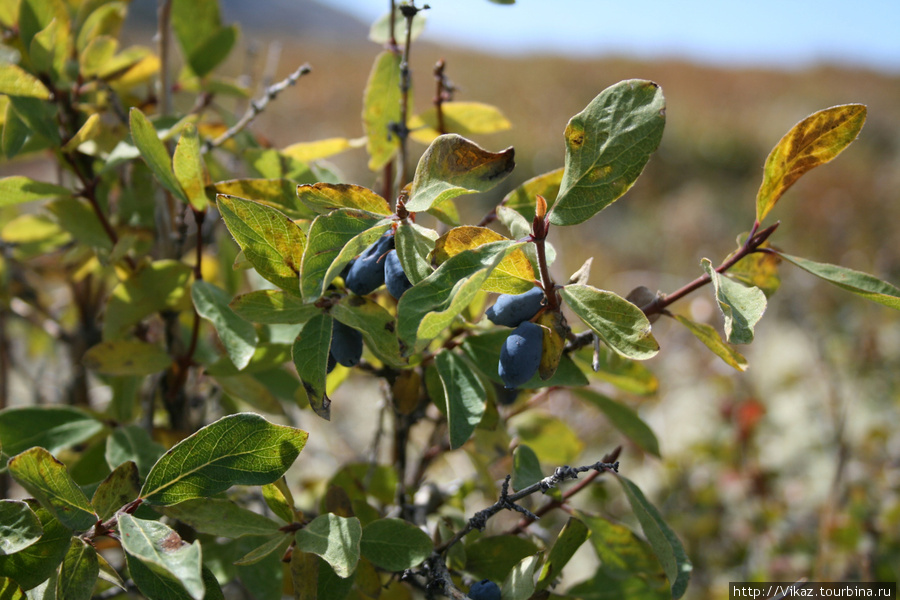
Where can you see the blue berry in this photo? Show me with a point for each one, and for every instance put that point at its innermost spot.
(511, 309)
(520, 355)
(484, 590)
(394, 277)
(346, 344)
(366, 272)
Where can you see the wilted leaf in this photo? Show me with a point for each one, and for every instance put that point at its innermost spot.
(240, 449)
(394, 544)
(453, 165)
(162, 551)
(126, 357)
(237, 335)
(607, 146)
(624, 419)
(813, 141)
(742, 307)
(553, 340)
(619, 323)
(336, 539)
(310, 354)
(861, 284)
(465, 396)
(711, 340)
(381, 107)
(323, 198)
(513, 275)
(463, 118)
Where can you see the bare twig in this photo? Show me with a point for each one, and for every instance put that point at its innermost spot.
(256, 107)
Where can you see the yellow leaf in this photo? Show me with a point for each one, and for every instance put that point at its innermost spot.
(514, 274)
(307, 151)
(464, 118)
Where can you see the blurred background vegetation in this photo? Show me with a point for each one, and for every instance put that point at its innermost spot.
(789, 470)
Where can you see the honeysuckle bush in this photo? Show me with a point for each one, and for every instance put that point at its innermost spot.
(160, 468)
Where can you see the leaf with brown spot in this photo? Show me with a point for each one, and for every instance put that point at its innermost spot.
(812, 142)
(323, 198)
(514, 274)
(452, 166)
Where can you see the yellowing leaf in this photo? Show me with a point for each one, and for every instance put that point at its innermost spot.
(18, 189)
(15, 81)
(307, 151)
(812, 142)
(514, 274)
(90, 130)
(381, 107)
(711, 339)
(554, 340)
(279, 193)
(326, 197)
(126, 357)
(190, 170)
(464, 118)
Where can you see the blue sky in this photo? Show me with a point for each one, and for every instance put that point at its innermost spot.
(780, 33)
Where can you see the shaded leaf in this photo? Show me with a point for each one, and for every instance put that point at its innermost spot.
(15, 81)
(162, 551)
(711, 340)
(10, 590)
(465, 396)
(272, 307)
(619, 323)
(126, 357)
(271, 241)
(214, 49)
(336, 539)
(118, 489)
(394, 544)
(513, 275)
(453, 165)
(607, 146)
(51, 427)
(861, 284)
(463, 118)
(221, 518)
(376, 324)
(310, 354)
(553, 341)
(154, 153)
(813, 141)
(19, 526)
(494, 557)
(381, 107)
(277, 543)
(158, 584)
(624, 419)
(759, 269)
(742, 307)
(78, 218)
(34, 564)
(323, 198)
(39, 115)
(526, 467)
(78, 572)
(569, 540)
(161, 285)
(133, 443)
(665, 543)
(189, 168)
(237, 335)
(18, 189)
(48, 480)
(240, 449)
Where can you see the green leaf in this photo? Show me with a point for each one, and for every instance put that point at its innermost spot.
(78, 572)
(711, 340)
(380, 31)
(662, 539)
(15, 134)
(519, 584)
(465, 396)
(552, 440)
(463, 118)
(381, 107)
(162, 551)
(742, 307)
(334, 538)
(10, 590)
(104, 20)
(221, 518)
(813, 141)
(310, 354)
(240, 449)
(39, 115)
(78, 218)
(494, 557)
(18, 189)
(277, 543)
(414, 244)
(394, 544)
(158, 584)
(15, 81)
(271, 241)
(214, 49)
(194, 22)
(133, 443)
(428, 308)
(759, 269)
(51, 427)
(334, 240)
(607, 146)
(154, 153)
(569, 540)
(126, 357)
(376, 324)
(624, 419)
(273, 307)
(626, 374)
(237, 335)
(523, 198)
(513, 275)
(118, 489)
(277, 193)
(19, 527)
(619, 323)
(161, 285)
(49, 482)
(278, 497)
(326, 197)
(453, 165)
(34, 564)
(861, 284)
(189, 168)
(526, 467)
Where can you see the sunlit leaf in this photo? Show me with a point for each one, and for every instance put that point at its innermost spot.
(665, 543)
(34, 564)
(861, 284)
(607, 146)
(618, 322)
(161, 285)
(569, 540)
(711, 340)
(552, 439)
(48, 480)
(310, 354)
(519, 584)
(240, 449)
(237, 335)
(414, 244)
(759, 269)
(272, 307)
(19, 527)
(126, 357)
(453, 165)
(189, 168)
(91, 129)
(10, 590)
(325, 197)
(513, 275)
(279, 193)
(15, 81)
(271, 241)
(624, 419)
(163, 552)
(381, 107)
(394, 544)
(742, 307)
(18, 189)
(154, 153)
(463, 118)
(336, 539)
(465, 396)
(308, 151)
(526, 467)
(813, 141)
(522, 199)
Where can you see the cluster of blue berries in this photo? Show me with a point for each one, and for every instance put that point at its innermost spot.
(520, 356)
(376, 266)
(484, 590)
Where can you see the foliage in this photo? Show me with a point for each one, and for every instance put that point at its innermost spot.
(175, 488)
